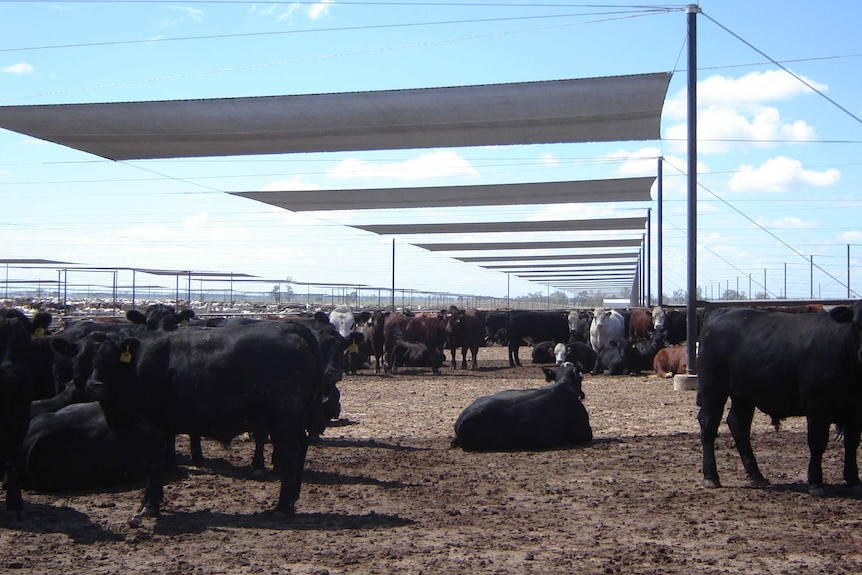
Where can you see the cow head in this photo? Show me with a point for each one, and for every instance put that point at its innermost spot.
(16, 332)
(160, 317)
(567, 375)
(99, 360)
(853, 316)
(658, 317)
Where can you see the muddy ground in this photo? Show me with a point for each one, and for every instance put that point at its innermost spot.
(384, 493)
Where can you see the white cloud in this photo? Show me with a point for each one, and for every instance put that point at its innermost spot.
(853, 236)
(734, 109)
(439, 164)
(780, 174)
(19, 68)
(319, 10)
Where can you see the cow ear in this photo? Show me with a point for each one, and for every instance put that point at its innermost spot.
(136, 317)
(550, 374)
(841, 314)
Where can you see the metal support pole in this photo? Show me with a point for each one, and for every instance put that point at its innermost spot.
(659, 231)
(691, 300)
(392, 303)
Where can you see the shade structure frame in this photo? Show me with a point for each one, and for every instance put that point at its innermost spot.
(608, 109)
(530, 193)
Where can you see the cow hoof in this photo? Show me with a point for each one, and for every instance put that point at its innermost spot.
(284, 513)
(711, 483)
(759, 481)
(817, 490)
(259, 474)
(136, 521)
(148, 511)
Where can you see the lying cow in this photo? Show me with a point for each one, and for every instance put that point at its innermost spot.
(74, 448)
(670, 361)
(619, 357)
(525, 419)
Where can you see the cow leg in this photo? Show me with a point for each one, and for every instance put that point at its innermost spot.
(852, 434)
(709, 418)
(739, 420)
(464, 357)
(513, 356)
(196, 450)
(454, 351)
(473, 351)
(818, 439)
(289, 449)
(258, 463)
(12, 484)
(154, 452)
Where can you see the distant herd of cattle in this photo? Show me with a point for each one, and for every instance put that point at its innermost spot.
(102, 402)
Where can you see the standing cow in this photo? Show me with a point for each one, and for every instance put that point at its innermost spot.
(525, 327)
(784, 365)
(526, 419)
(464, 329)
(607, 326)
(216, 383)
(16, 393)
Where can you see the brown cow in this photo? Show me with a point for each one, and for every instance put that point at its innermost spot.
(426, 330)
(640, 323)
(670, 361)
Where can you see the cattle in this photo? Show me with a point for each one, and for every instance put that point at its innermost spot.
(74, 448)
(215, 383)
(582, 354)
(528, 419)
(464, 329)
(647, 350)
(607, 326)
(160, 317)
(620, 357)
(495, 327)
(784, 365)
(401, 330)
(532, 327)
(407, 354)
(579, 325)
(343, 320)
(352, 358)
(430, 331)
(378, 339)
(670, 361)
(545, 352)
(640, 323)
(16, 393)
(674, 326)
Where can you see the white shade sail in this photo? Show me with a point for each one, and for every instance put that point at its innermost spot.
(619, 108)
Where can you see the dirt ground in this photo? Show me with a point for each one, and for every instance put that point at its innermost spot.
(384, 493)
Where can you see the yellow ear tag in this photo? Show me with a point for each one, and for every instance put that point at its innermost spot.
(40, 331)
(126, 356)
(353, 348)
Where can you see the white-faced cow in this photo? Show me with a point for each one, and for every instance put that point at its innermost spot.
(215, 383)
(784, 365)
(607, 326)
(528, 419)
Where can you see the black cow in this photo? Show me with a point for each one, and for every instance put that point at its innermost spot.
(16, 393)
(620, 357)
(408, 354)
(215, 383)
(74, 448)
(784, 365)
(543, 352)
(495, 326)
(534, 327)
(465, 328)
(581, 353)
(160, 317)
(525, 419)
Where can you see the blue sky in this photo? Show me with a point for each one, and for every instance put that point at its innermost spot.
(779, 156)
